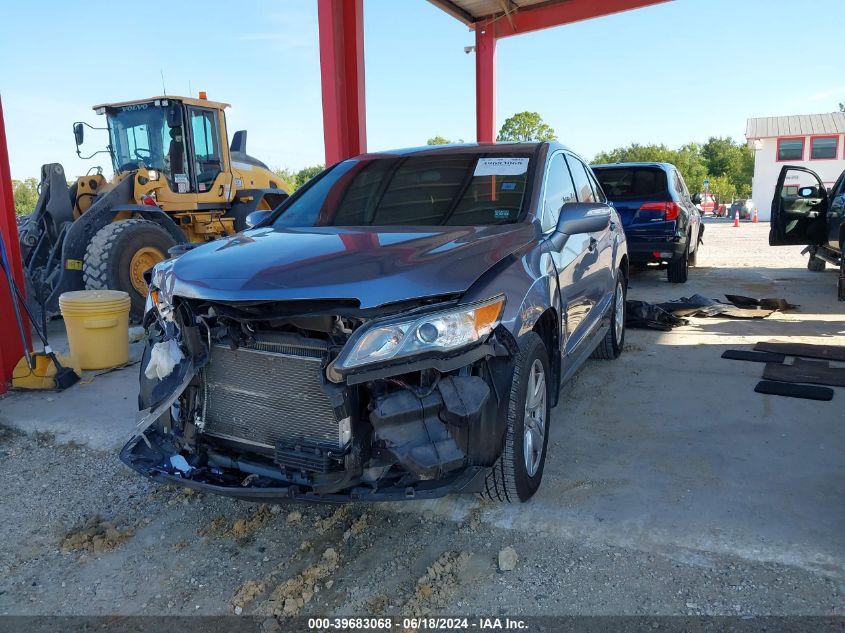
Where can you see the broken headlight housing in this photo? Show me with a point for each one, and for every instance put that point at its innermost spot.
(386, 340)
(155, 299)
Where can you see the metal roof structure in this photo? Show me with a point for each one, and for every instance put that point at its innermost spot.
(512, 17)
(471, 11)
(795, 125)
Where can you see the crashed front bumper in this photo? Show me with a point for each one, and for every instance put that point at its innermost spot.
(137, 455)
(424, 444)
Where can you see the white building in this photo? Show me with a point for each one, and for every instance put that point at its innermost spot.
(814, 141)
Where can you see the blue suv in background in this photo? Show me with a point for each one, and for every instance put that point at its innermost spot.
(662, 224)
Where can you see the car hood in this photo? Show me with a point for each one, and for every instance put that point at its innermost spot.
(374, 266)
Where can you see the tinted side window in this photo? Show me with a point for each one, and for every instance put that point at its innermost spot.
(559, 190)
(679, 188)
(684, 190)
(600, 197)
(582, 182)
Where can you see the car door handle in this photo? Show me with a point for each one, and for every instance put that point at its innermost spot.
(593, 243)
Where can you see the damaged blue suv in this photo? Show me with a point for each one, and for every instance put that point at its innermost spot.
(399, 328)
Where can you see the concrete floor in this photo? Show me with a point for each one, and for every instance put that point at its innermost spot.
(667, 450)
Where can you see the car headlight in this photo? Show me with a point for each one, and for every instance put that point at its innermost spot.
(449, 330)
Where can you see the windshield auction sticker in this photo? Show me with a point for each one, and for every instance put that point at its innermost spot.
(501, 166)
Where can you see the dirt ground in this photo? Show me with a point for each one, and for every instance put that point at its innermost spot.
(670, 488)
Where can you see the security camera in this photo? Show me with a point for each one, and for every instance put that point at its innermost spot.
(469, 49)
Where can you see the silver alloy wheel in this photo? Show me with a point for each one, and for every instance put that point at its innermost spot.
(534, 422)
(619, 314)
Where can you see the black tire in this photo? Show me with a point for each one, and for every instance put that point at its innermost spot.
(611, 345)
(509, 480)
(815, 264)
(678, 270)
(110, 252)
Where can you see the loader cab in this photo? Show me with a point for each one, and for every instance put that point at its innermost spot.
(182, 141)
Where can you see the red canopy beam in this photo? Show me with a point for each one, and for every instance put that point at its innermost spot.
(485, 85)
(341, 25)
(11, 349)
(545, 16)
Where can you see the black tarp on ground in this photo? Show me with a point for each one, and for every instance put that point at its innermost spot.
(699, 305)
(642, 315)
(756, 357)
(808, 392)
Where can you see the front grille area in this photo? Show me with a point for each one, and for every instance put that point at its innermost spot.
(269, 392)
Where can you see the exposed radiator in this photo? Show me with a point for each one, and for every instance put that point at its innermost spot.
(270, 392)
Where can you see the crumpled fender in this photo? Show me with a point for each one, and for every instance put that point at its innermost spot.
(164, 392)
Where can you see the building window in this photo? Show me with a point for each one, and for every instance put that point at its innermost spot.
(822, 147)
(790, 149)
(790, 191)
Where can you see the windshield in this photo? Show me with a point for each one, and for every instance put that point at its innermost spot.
(140, 135)
(467, 189)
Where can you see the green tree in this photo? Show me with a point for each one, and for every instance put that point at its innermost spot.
(690, 163)
(288, 175)
(438, 140)
(722, 188)
(636, 153)
(842, 107)
(295, 179)
(526, 126)
(26, 195)
(734, 161)
(307, 173)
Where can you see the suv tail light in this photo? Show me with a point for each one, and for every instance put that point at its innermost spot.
(671, 210)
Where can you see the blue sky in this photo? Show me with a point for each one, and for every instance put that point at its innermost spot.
(671, 73)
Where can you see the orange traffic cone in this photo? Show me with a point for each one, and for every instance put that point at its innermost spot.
(736, 219)
(754, 217)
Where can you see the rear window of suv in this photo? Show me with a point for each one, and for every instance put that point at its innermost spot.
(620, 183)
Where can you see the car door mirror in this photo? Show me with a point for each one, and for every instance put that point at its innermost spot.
(256, 217)
(808, 192)
(583, 217)
(78, 133)
(696, 198)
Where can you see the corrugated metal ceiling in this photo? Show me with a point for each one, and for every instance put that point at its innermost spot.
(470, 11)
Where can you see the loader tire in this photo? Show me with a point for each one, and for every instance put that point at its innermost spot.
(120, 253)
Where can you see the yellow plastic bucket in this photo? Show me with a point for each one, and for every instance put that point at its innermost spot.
(97, 323)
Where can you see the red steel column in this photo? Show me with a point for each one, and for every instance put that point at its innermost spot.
(10, 344)
(485, 84)
(341, 24)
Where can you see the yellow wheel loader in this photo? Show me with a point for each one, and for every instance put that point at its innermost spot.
(176, 181)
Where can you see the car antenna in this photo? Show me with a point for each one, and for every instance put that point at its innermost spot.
(163, 89)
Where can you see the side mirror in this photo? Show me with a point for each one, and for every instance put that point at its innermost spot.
(583, 217)
(78, 133)
(808, 192)
(696, 198)
(256, 217)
